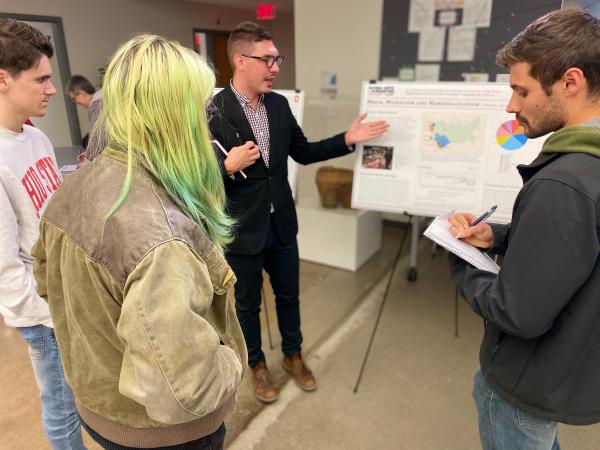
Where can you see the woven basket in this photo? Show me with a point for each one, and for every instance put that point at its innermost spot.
(335, 186)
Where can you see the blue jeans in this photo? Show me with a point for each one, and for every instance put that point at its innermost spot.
(59, 415)
(502, 426)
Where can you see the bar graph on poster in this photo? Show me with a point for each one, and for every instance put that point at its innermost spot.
(295, 99)
(451, 146)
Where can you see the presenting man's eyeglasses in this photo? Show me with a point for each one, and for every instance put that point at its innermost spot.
(268, 60)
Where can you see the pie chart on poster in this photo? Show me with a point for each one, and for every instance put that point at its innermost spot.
(511, 135)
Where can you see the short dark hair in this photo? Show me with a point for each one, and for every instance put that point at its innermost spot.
(244, 35)
(79, 83)
(554, 43)
(21, 46)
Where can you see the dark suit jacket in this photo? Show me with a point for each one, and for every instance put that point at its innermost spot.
(249, 200)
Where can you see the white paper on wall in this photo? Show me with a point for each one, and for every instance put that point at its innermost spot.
(421, 14)
(475, 77)
(477, 13)
(427, 72)
(461, 43)
(431, 44)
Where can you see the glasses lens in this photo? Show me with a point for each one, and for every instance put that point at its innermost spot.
(270, 60)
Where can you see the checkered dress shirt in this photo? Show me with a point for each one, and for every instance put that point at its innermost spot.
(259, 122)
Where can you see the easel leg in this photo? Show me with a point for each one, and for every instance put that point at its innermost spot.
(414, 248)
(455, 313)
(385, 295)
(266, 310)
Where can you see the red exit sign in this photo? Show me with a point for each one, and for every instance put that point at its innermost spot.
(265, 11)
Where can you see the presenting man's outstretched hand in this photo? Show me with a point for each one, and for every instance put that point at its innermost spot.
(360, 131)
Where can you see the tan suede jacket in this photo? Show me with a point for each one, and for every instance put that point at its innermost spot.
(150, 344)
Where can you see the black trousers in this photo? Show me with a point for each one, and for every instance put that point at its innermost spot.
(214, 441)
(282, 263)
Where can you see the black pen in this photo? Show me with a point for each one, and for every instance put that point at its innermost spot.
(484, 216)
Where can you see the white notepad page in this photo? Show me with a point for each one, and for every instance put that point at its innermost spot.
(439, 232)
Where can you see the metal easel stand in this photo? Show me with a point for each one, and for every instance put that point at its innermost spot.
(455, 313)
(266, 310)
(414, 248)
(385, 296)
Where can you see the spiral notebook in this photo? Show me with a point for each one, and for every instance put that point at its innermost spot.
(439, 232)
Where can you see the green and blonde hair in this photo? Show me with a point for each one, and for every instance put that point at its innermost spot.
(155, 95)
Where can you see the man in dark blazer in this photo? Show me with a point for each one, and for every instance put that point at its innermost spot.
(257, 129)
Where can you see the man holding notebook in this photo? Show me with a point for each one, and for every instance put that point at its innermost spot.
(540, 355)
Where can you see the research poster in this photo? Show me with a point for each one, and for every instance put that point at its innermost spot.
(296, 101)
(451, 146)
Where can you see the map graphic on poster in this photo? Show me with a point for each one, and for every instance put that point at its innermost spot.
(455, 134)
(296, 101)
(450, 146)
(511, 135)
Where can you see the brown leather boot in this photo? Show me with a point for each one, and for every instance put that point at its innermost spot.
(264, 389)
(301, 374)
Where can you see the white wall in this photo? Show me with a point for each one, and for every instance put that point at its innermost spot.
(94, 29)
(336, 36)
(343, 37)
(282, 29)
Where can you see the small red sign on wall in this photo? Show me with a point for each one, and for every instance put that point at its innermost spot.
(265, 11)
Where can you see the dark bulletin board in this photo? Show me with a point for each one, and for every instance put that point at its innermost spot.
(508, 17)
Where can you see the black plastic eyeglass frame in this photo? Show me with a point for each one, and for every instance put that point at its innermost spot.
(268, 60)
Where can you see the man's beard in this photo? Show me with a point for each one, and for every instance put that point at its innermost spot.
(552, 118)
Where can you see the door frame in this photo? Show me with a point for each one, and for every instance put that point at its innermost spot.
(62, 60)
(210, 57)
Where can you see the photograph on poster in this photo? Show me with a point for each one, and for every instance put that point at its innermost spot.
(377, 157)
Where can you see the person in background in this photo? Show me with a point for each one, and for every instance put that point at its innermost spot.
(130, 259)
(257, 128)
(539, 356)
(83, 93)
(29, 177)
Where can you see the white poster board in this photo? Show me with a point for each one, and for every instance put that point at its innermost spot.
(296, 100)
(451, 146)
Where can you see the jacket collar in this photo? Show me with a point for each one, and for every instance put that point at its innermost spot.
(235, 115)
(582, 138)
(242, 98)
(529, 170)
(115, 154)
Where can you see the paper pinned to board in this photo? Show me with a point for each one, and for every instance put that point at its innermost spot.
(439, 232)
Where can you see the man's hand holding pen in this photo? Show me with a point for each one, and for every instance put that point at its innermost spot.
(479, 235)
(241, 157)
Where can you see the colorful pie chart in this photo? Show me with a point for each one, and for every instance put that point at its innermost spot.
(511, 135)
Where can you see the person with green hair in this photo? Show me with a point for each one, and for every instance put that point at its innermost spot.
(130, 260)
